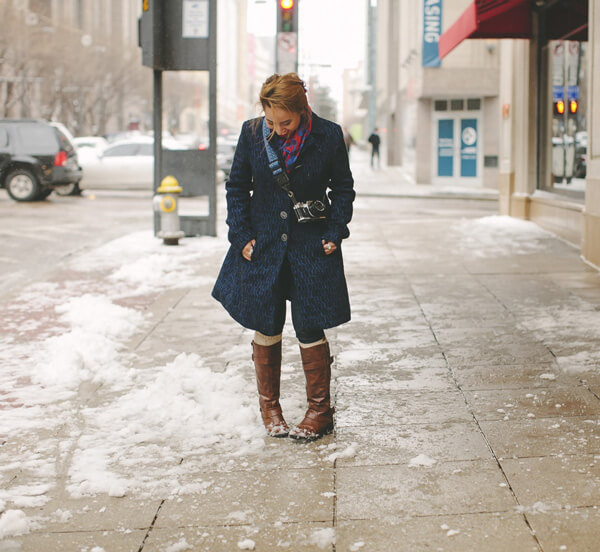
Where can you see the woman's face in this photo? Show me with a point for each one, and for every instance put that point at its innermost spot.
(283, 122)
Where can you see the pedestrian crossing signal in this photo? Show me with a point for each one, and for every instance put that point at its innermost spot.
(573, 106)
(559, 107)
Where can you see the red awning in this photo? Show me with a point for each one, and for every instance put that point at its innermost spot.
(488, 19)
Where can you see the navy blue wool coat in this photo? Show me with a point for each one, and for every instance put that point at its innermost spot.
(257, 208)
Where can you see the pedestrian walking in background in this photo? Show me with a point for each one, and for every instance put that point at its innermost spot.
(285, 234)
(348, 140)
(375, 141)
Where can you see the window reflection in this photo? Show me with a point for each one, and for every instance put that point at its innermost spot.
(568, 156)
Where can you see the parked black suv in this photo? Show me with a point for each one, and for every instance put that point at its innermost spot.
(37, 157)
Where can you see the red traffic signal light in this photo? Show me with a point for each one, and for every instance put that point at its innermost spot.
(559, 107)
(573, 106)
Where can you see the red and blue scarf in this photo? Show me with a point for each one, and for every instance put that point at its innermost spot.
(290, 147)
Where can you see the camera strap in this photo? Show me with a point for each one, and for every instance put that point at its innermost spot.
(280, 176)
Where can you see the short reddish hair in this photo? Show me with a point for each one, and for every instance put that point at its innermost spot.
(286, 92)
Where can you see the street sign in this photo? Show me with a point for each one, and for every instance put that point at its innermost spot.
(195, 19)
(287, 52)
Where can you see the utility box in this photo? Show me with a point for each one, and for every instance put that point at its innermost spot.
(181, 35)
(175, 35)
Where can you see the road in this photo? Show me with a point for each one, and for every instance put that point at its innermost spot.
(37, 236)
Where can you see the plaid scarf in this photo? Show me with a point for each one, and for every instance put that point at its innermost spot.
(290, 148)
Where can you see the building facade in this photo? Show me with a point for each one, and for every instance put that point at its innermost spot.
(548, 110)
(439, 117)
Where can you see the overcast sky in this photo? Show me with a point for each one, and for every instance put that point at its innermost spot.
(332, 32)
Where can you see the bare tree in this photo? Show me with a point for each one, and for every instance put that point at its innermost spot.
(48, 70)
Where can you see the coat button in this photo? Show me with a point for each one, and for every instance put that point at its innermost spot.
(283, 215)
(283, 237)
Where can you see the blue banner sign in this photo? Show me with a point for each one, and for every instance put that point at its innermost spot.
(445, 147)
(573, 92)
(468, 147)
(432, 30)
(558, 92)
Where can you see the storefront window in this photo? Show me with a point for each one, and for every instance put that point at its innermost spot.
(568, 131)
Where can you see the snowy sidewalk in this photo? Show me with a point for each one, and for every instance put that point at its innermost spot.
(466, 385)
(396, 181)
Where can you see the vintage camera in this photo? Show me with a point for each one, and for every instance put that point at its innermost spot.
(309, 211)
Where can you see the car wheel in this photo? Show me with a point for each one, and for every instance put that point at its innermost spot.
(71, 189)
(22, 185)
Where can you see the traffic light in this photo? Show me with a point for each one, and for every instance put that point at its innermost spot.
(573, 107)
(559, 107)
(287, 16)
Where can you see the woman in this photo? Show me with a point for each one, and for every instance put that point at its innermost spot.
(273, 257)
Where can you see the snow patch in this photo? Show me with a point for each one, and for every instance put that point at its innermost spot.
(538, 507)
(246, 544)
(422, 460)
(323, 538)
(348, 452)
(548, 376)
(181, 407)
(496, 236)
(179, 546)
(13, 523)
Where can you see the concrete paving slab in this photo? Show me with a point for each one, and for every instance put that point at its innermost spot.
(458, 533)
(543, 436)
(551, 482)
(471, 319)
(533, 403)
(288, 537)
(402, 375)
(497, 337)
(407, 268)
(498, 352)
(509, 376)
(379, 408)
(275, 454)
(253, 497)
(378, 492)
(123, 541)
(391, 335)
(574, 530)
(381, 445)
(95, 513)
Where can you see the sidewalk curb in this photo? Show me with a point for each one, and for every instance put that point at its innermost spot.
(441, 195)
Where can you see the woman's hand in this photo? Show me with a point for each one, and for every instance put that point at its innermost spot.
(328, 247)
(248, 250)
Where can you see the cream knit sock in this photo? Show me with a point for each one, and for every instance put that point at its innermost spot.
(266, 340)
(314, 344)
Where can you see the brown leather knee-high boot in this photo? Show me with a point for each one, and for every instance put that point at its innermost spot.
(318, 420)
(267, 361)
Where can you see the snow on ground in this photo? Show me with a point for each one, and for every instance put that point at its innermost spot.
(498, 236)
(67, 338)
(422, 460)
(72, 335)
(13, 523)
(179, 546)
(323, 538)
(570, 329)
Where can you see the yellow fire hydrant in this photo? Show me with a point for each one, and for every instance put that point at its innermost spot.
(165, 203)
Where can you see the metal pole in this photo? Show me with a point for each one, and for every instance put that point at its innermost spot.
(372, 64)
(212, 124)
(157, 123)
